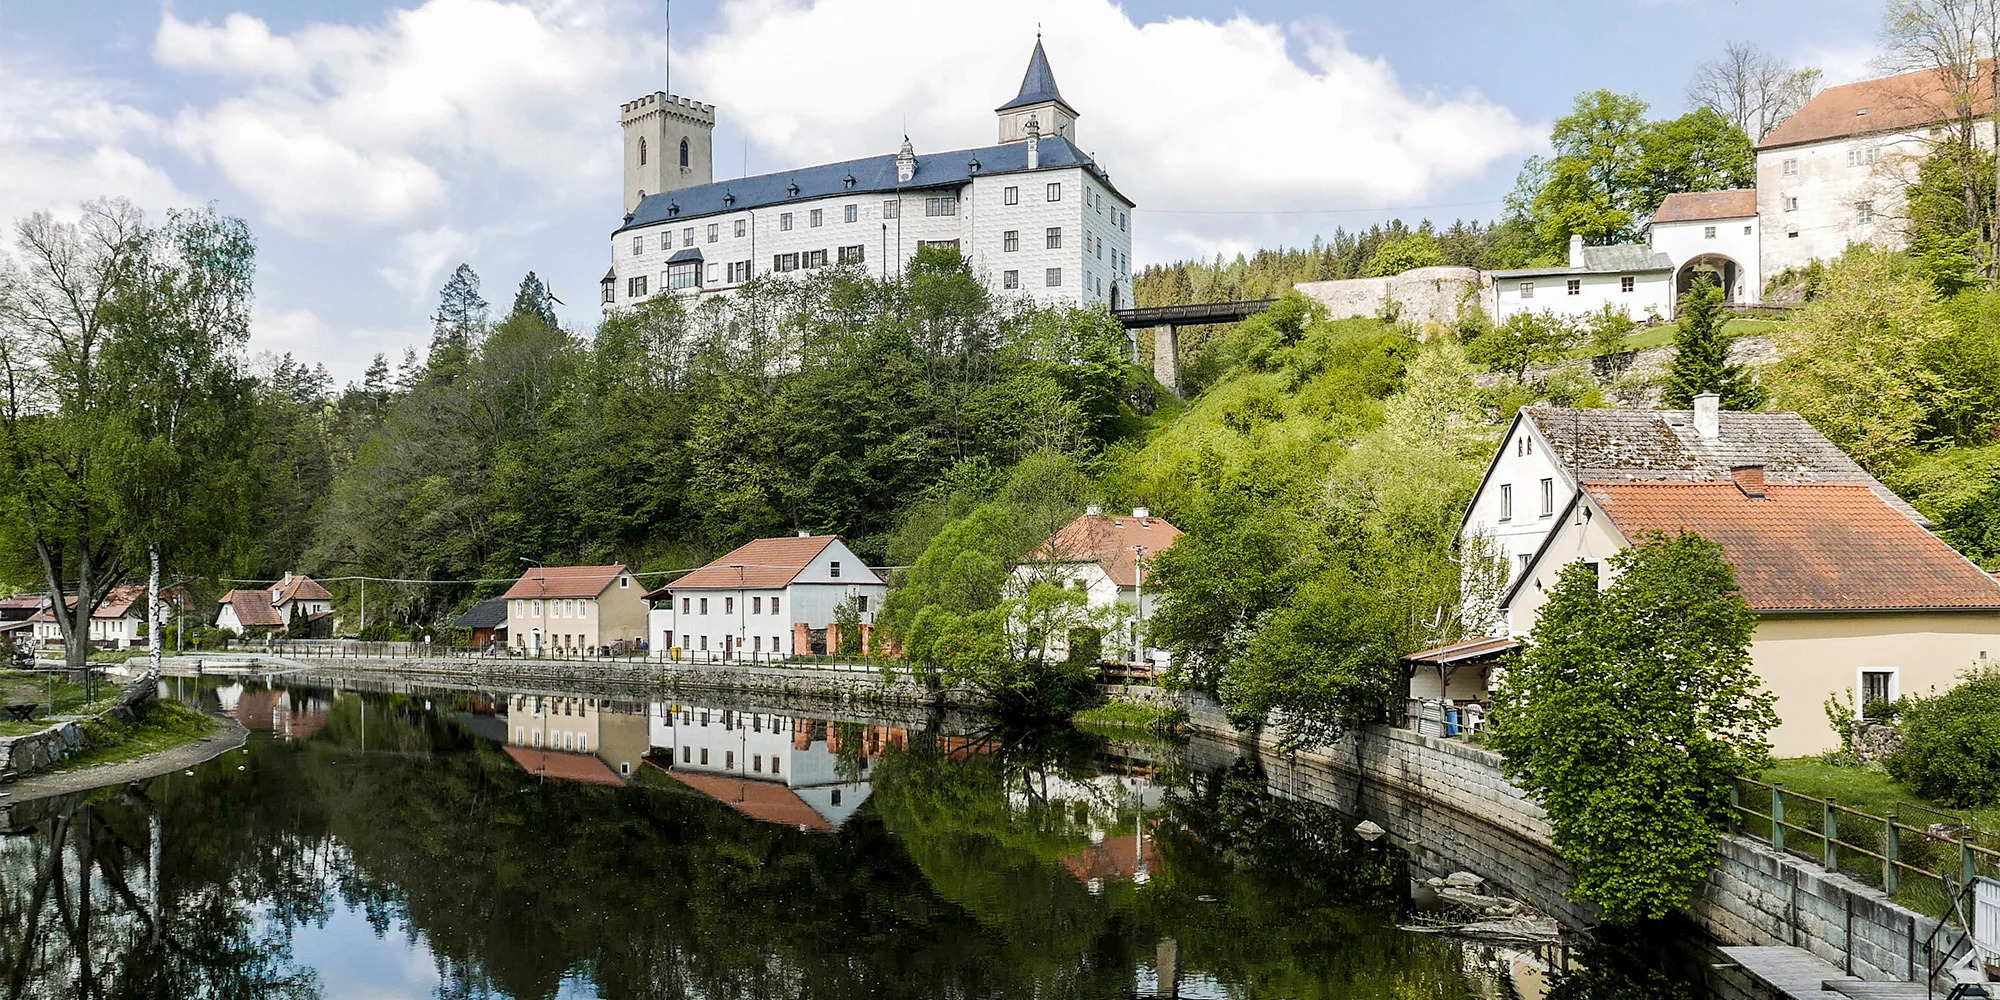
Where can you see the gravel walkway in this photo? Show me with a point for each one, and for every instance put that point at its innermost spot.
(229, 735)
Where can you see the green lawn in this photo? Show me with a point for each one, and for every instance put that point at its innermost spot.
(161, 726)
(1867, 789)
(1662, 335)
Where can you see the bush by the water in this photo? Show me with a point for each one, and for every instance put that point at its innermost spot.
(1951, 748)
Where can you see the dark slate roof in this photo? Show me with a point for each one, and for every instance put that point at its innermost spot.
(682, 255)
(1662, 446)
(486, 614)
(872, 175)
(1625, 258)
(1038, 86)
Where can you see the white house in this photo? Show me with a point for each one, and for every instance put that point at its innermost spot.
(1629, 277)
(276, 605)
(764, 600)
(1107, 557)
(1035, 215)
(119, 621)
(776, 768)
(1714, 234)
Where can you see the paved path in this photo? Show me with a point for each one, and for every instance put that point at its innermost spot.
(229, 735)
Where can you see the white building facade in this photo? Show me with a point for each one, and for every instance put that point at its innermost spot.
(1714, 235)
(1035, 216)
(752, 603)
(1630, 278)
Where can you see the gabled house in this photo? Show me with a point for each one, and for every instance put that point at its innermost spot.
(486, 622)
(1106, 556)
(118, 623)
(276, 607)
(768, 599)
(575, 609)
(1854, 599)
(774, 768)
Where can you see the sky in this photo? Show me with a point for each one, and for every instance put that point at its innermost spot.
(372, 146)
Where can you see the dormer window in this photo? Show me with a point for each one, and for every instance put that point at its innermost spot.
(847, 181)
(793, 190)
(973, 166)
(728, 199)
(673, 208)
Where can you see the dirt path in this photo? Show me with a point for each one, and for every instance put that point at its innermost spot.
(228, 736)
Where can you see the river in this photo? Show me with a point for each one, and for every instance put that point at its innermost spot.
(461, 844)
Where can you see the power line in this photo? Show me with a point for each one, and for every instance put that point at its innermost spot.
(1315, 211)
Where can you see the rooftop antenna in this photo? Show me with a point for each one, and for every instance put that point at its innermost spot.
(670, 47)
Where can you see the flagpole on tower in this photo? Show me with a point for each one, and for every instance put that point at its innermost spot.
(670, 46)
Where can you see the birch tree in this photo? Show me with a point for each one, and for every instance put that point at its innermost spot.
(1753, 89)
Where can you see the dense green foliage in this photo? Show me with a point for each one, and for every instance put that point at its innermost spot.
(1951, 749)
(1701, 363)
(1630, 714)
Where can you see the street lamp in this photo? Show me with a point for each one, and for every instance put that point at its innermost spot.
(1138, 602)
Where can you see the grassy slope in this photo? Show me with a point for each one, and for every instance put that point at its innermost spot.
(161, 726)
(1866, 789)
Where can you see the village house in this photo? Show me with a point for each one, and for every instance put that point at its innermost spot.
(485, 623)
(1630, 278)
(118, 623)
(1855, 601)
(278, 607)
(774, 768)
(768, 599)
(1713, 235)
(1106, 556)
(575, 609)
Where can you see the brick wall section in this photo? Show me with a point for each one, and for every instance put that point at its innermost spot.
(1449, 805)
(21, 756)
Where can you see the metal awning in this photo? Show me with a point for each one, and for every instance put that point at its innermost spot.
(1484, 648)
(684, 256)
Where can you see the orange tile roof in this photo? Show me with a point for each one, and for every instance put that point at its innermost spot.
(1808, 547)
(301, 588)
(1889, 104)
(768, 564)
(253, 608)
(765, 801)
(117, 603)
(1107, 540)
(1699, 206)
(565, 581)
(581, 767)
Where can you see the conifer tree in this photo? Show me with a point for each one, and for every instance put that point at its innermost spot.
(1703, 362)
(533, 299)
(455, 329)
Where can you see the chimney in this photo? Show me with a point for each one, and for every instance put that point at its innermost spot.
(1142, 513)
(1708, 416)
(804, 533)
(1094, 510)
(288, 578)
(1749, 479)
(1576, 250)
(906, 162)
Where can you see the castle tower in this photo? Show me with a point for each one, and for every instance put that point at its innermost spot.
(669, 145)
(1039, 99)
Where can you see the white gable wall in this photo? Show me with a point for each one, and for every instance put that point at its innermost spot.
(1651, 294)
(1523, 462)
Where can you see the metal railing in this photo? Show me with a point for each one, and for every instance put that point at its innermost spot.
(495, 654)
(1918, 866)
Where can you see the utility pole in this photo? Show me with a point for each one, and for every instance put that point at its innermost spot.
(153, 611)
(1139, 603)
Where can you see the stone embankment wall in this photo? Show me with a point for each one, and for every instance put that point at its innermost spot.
(1634, 378)
(1424, 296)
(1407, 781)
(34, 753)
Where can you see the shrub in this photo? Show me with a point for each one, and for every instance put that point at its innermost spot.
(1951, 748)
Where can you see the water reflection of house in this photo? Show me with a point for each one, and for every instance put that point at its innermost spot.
(770, 767)
(275, 710)
(1131, 857)
(557, 722)
(613, 735)
(578, 767)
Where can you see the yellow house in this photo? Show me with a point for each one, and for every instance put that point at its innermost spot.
(1854, 599)
(570, 609)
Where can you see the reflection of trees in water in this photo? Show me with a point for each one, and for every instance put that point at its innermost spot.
(85, 911)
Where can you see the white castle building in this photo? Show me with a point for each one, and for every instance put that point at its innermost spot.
(1034, 214)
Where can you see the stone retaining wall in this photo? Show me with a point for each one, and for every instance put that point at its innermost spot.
(34, 753)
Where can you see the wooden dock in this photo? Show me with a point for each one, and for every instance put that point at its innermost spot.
(1797, 974)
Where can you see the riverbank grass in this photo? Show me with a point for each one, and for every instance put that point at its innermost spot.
(1868, 789)
(161, 725)
(21, 687)
(1132, 716)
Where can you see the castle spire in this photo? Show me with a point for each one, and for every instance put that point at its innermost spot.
(1038, 94)
(1038, 85)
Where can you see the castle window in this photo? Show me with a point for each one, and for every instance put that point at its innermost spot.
(1010, 279)
(785, 222)
(855, 254)
(1052, 238)
(817, 219)
(713, 270)
(642, 151)
(635, 286)
(1053, 278)
(638, 245)
(687, 237)
(1011, 196)
(684, 152)
(851, 213)
(941, 206)
(742, 226)
(1010, 241)
(667, 241)
(785, 262)
(610, 296)
(813, 258)
(1055, 191)
(714, 231)
(892, 210)
(686, 274)
(739, 271)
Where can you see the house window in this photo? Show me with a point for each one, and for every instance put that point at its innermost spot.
(739, 271)
(1055, 191)
(714, 232)
(704, 648)
(535, 609)
(704, 605)
(742, 227)
(1506, 501)
(836, 796)
(817, 217)
(1746, 230)
(1791, 234)
(946, 205)
(892, 210)
(1864, 213)
(785, 221)
(638, 245)
(1053, 277)
(687, 237)
(1878, 689)
(834, 569)
(1523, 558)
(729, 605)
(635, 286)
(1576, 286)
(1052, 238)
(687, 755)
(757, 644)
(1010, 241)
(785, 262)
(774, 757)
(686, 274)
(1791, 203)
(1010, 279)
(1791, 168)
(583, 609)
(729, 760)
(1627, 283)
(813, 258)
(1527, 289)
(774, 605)
(1548, 498)
(685, 601)
(864, 603)
(756, 605)
(851, 213)
(757, 763)
(1011, 196)
(855, 254)
(1708, 232)
(704, 750)
(1595, 573)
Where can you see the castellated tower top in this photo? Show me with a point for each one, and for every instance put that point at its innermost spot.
(669, 145)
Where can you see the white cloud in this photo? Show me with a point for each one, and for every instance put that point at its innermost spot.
(66, 139)
(1186, 114)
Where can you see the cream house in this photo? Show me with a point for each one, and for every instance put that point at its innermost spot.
(119, 622)
(1855, 600)
(1106, 556)
(575, 609)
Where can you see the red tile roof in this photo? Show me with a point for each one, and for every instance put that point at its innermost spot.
(565, 581)
(253, 608)
(766, 801)
(1698, 206)
(768, 564)
(1107, 540)
(300, 588)
(116, 604)
(1890, 104)
(1817, 547)
(580, 767)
